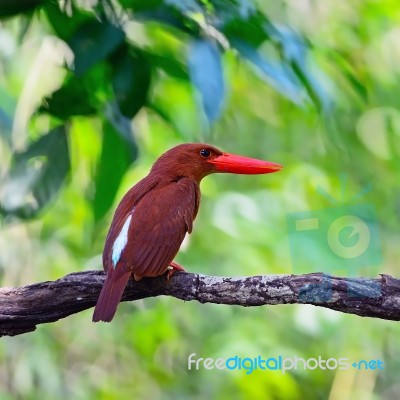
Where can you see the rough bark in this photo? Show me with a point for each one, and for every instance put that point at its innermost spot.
(22, 309)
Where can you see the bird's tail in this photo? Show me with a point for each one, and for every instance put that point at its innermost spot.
(110, 295)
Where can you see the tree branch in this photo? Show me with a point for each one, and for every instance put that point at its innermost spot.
(21, 309)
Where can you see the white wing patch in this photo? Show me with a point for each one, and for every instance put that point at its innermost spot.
(121, 241)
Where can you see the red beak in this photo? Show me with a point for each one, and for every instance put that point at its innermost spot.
(243, 165)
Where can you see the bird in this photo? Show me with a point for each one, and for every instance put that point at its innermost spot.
(155, 215)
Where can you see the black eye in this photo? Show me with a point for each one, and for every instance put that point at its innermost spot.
(205, 153)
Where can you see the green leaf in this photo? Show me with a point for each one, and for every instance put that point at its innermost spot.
(36, 175)
(73, 98)
(80, 95)
(9, 8)
(169, 65)
(63, 24)
(185, 6)
(206, 74)
(239, 8)
(141, 5)
(131, 80)
(122, 125)
(5, 126)
(169, 16)
(116, 156)
(250, 30)
(294, 50)
(94, 41)
(278, 75)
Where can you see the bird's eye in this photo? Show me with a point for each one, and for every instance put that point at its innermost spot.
(205, 153)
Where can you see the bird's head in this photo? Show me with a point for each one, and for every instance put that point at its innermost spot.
(197, 160)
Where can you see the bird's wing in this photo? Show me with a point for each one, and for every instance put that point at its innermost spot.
(156, 227)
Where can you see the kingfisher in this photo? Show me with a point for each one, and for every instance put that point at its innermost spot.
(155, 215)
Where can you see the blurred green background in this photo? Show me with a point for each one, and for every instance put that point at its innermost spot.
(92, 92)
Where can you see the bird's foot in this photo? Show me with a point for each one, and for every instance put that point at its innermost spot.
(172, 268)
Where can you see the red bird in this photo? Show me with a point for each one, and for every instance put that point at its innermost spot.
(152, 219)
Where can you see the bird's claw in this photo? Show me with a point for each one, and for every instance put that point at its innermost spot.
(172, 268)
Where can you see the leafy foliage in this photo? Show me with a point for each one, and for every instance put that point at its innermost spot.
(131, 80)
(11, 8)
(116, 156)
(36, 175)
(85, 85)
(206, 74)
(109, 67)
(75, 97)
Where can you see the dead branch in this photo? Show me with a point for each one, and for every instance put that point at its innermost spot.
(22, 309)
